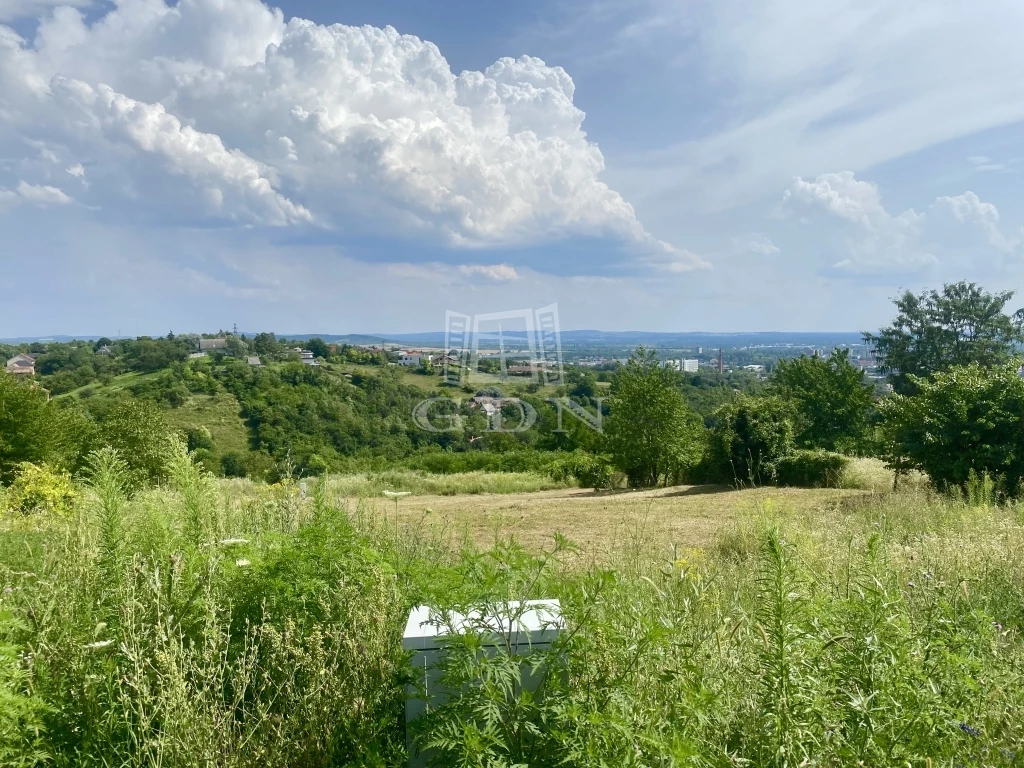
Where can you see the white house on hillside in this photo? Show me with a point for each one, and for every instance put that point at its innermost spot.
(307, 357)
(413, 359)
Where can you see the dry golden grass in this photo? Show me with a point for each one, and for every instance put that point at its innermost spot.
(601, 523)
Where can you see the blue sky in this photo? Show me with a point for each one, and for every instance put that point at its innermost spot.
(658, 165)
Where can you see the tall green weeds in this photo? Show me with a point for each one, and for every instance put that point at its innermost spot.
(193, 625)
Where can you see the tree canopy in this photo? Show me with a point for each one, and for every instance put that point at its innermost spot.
(830, 397)
(968, 420)
(651, 432)
(35, 429)
(936, 330)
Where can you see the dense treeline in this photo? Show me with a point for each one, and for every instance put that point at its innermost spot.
(948, 354)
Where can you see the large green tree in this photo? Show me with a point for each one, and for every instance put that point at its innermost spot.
(139, 432)
(651, 432)
(936, 330)
(966, 420)
(149, 355)
(830, 397)
(35, 429)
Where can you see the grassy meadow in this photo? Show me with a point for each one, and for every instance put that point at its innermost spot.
(226, 623)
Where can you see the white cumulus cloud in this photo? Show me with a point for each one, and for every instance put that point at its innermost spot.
(500, 272)
(969, 209)
(879, 242)
(843, 195)
(11, 10)
(41, 195)
(757, 244)
(257, 120)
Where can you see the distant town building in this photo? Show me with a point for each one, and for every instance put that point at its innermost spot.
(758, 369)
(22, 366)
(413, 358)
(306, 357)
(104, 350)
(206, 345)
(687, 365)
(253, 361)
(490, 405)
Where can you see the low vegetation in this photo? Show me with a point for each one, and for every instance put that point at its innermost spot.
(204, 623)
(152, 613)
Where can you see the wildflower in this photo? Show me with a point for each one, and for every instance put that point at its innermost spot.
(98, 644)
(998, 626)
(8, 590)
(910, 584)
(242, 563)
(969, 730)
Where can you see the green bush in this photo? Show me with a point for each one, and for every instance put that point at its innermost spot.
(259, 466)
(198, 437)
(747, 440)
(39, 488)
(811, 469)
(36, 429)
(232, 464)
(456, 462)
(588, 470)
(961, 424)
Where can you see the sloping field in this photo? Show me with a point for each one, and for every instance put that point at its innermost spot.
(219, 413)
(599, 522)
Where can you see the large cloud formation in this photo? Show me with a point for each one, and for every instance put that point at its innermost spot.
(221, 110)
(879, 242)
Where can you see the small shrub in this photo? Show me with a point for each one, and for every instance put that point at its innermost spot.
(588, 470)
(811, 469)
(233, 464)
(198, 437)
(40, 488)
(137, 430)
(259, 466)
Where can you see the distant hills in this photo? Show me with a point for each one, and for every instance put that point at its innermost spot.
(594, 338)
(579, 338)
